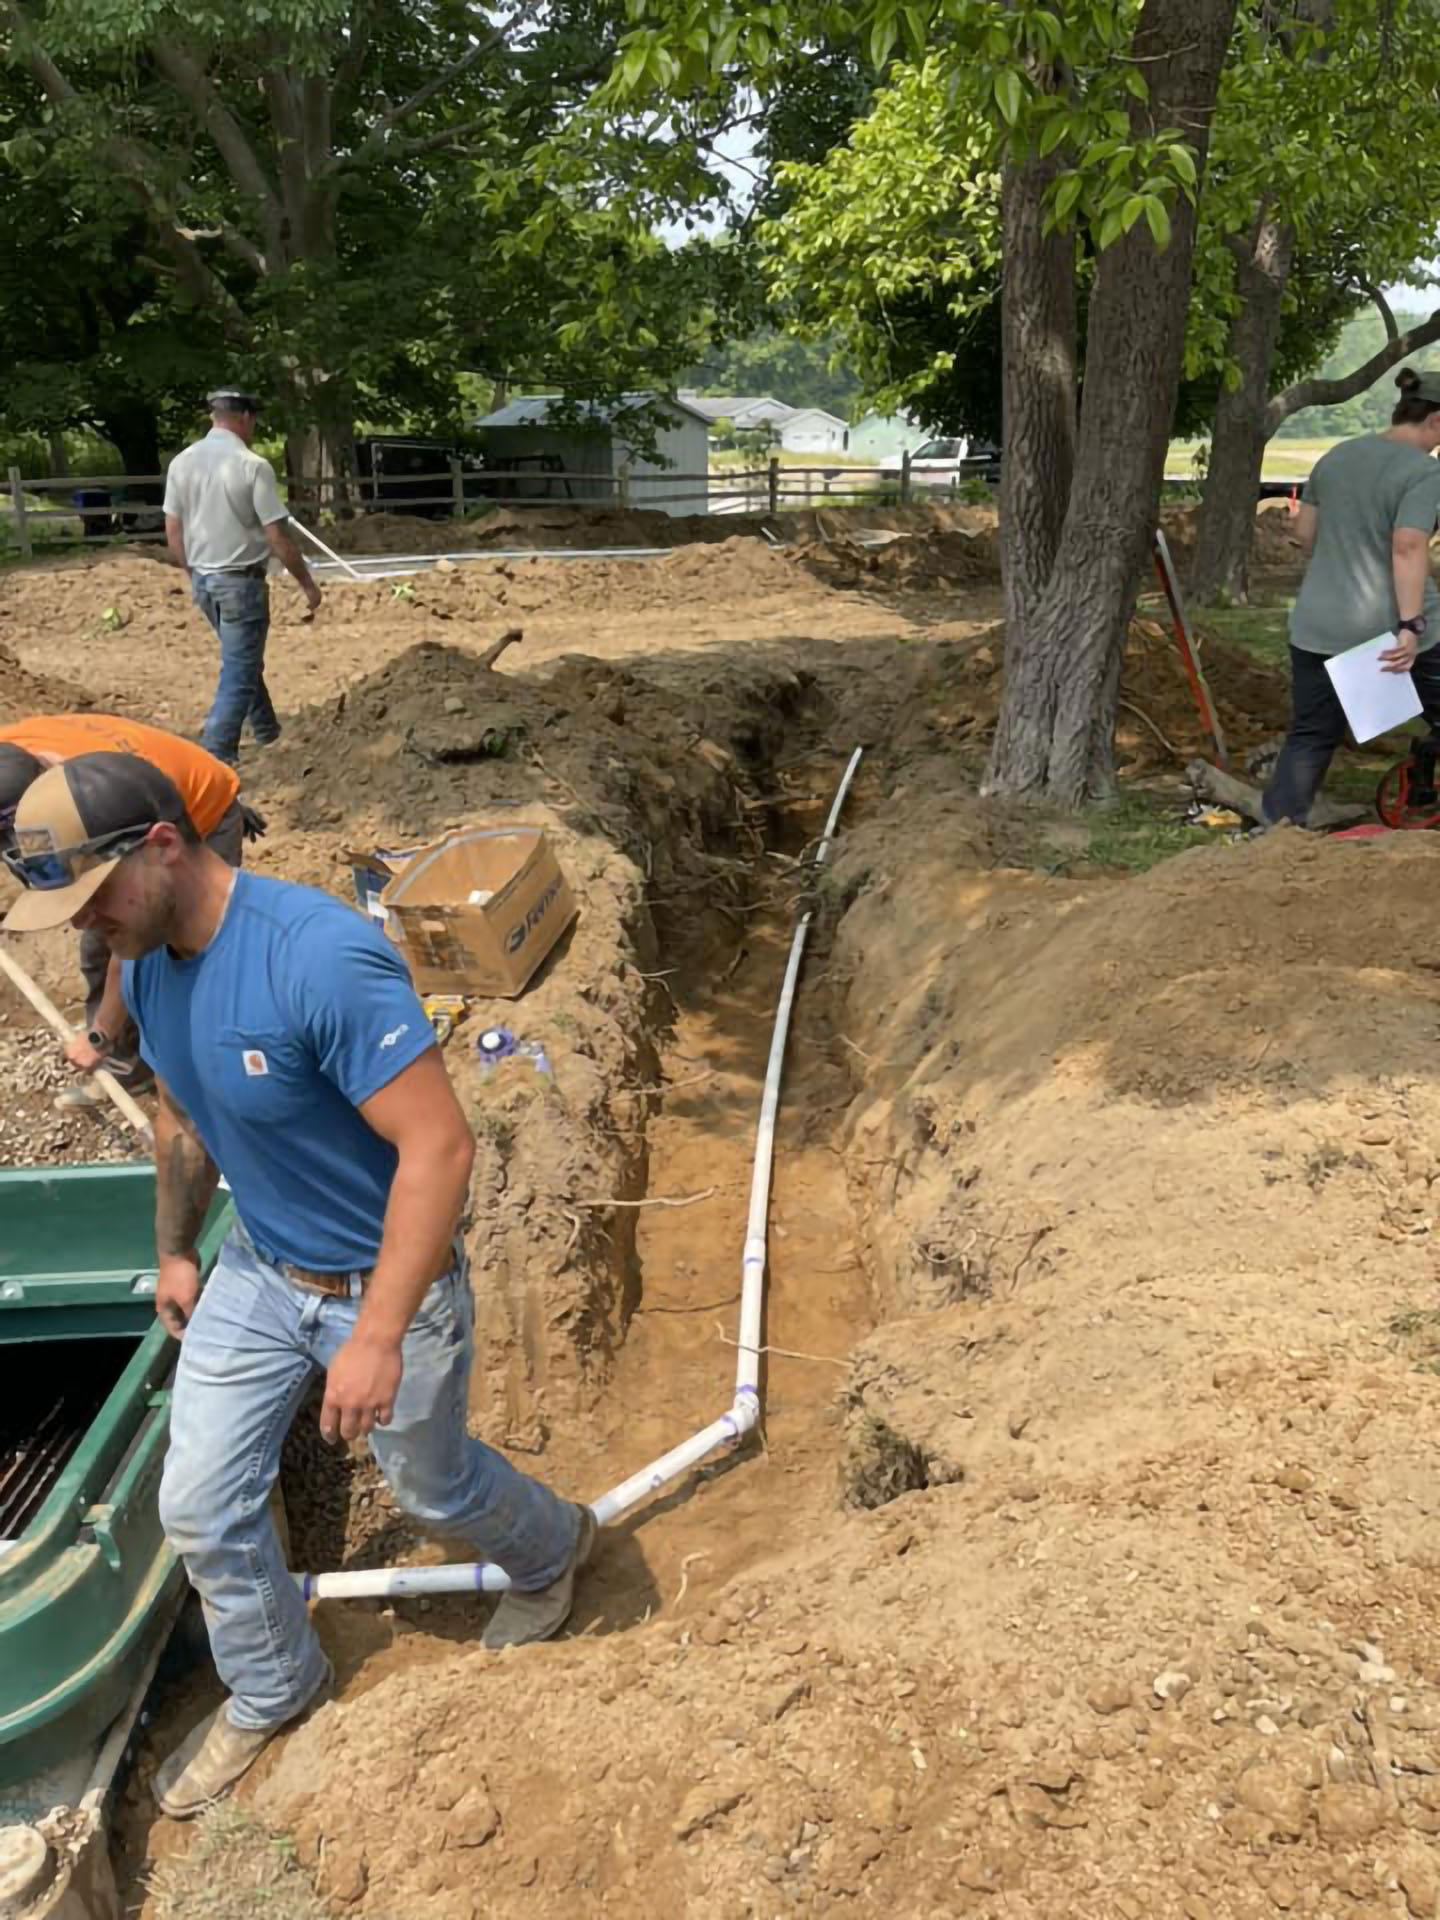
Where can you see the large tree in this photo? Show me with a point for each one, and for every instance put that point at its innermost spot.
(362, 197)
(1319, 194)
(1102, 115)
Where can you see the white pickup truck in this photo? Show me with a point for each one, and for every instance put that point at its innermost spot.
(943, 464)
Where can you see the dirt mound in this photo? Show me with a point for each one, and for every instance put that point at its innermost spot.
(558, 525)
(949, 697)
(1253, 700)
(1273, 548)
(23, 692)
(925, 562)
(734, 570)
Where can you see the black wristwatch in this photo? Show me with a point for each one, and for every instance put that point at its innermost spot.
(1417, 625)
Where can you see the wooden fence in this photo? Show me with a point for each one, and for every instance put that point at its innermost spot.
(126, 507)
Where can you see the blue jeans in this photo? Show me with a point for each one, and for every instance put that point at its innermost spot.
(237, 605)
(1318, 727)
(248, 1356)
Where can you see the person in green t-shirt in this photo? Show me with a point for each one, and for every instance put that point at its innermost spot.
(1366, 519)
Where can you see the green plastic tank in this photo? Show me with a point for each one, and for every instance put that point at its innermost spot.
(87, 1583)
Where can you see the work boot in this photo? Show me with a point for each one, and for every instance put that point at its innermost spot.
(522, 1617)
(214, 1755)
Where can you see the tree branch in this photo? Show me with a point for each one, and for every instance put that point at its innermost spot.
(193, 85)
(408, 149)
(144, 174)
(351, 63)
(1315, 392)
(386, 124)
(1382, 307)
(375, 139)
(235, 242)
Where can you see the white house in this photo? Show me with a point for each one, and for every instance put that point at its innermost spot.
(561, 460)
(744, 411)
(812, 430)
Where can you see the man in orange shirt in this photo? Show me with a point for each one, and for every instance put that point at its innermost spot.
(210, 790)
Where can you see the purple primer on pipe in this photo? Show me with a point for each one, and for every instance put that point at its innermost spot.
(307, 1587)
(479, 1577)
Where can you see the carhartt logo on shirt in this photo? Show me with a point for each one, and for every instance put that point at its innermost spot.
(395, 1033)
(255, 1062)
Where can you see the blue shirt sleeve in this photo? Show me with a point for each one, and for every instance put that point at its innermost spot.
(357, 1007)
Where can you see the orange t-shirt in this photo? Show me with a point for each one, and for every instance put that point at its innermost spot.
(207, 785)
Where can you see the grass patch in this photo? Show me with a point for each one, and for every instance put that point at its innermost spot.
(1416, 1331)
(1130, 834)
(1261, 629)
(234, 1869)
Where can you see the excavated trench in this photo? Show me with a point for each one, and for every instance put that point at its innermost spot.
(648, 1289)
(649, 1285)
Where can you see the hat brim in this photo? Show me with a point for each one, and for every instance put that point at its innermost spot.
(40, 908)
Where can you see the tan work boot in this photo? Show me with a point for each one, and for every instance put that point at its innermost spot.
(214, 1755)
(522, 1617)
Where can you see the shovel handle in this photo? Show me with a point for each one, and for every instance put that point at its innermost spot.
(128, 1107)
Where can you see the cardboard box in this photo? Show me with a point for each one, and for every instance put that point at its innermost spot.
(456, 944)
(371, 872)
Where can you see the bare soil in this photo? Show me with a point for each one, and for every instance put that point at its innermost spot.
(1085, 1563)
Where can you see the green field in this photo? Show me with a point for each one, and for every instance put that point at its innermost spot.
(1284, 459)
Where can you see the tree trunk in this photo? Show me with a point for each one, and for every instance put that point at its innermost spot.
(134, 428)
(1038, 331)
(1221, 567)
(1054, 714)
(59, 457)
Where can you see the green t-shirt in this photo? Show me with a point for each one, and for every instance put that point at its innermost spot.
(1363, 491)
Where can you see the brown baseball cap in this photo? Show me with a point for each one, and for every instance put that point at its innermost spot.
(73, 827)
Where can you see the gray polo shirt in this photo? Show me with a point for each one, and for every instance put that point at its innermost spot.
(224, 496)
(1363, 491)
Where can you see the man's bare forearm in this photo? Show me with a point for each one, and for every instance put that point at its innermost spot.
(185, 1180)
(427, 1199)
(282, 545)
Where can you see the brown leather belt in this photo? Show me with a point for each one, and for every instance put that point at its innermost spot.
(350, 1286)
(336, 1286)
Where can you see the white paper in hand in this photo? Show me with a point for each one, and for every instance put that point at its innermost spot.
(1375, 702)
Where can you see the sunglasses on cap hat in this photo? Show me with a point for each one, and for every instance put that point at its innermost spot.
(62, 866)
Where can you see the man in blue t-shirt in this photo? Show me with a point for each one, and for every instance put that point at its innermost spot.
(293, 1054)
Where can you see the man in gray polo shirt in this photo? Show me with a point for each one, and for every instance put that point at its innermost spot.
(223, 519)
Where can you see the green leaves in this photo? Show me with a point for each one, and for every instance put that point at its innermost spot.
(1009, 95)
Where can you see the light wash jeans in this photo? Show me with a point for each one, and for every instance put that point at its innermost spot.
(237, 605)
(248, 1356)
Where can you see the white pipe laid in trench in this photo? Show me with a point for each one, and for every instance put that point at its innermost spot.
(742, 1417)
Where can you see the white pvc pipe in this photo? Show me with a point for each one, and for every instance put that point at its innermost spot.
(752, 1268)
(731, 1427)
(395, 566)
(329, 552)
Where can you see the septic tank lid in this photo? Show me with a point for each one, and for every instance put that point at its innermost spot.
(24, 1869)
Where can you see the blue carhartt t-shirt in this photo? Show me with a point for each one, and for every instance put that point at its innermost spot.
(297, 1012)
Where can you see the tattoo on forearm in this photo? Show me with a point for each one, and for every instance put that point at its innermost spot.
(184, 1185)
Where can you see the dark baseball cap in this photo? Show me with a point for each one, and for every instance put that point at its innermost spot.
(18, 768)
(232, 400)
(73, 827)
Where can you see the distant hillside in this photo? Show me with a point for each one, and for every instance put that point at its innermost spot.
(1363, 335)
